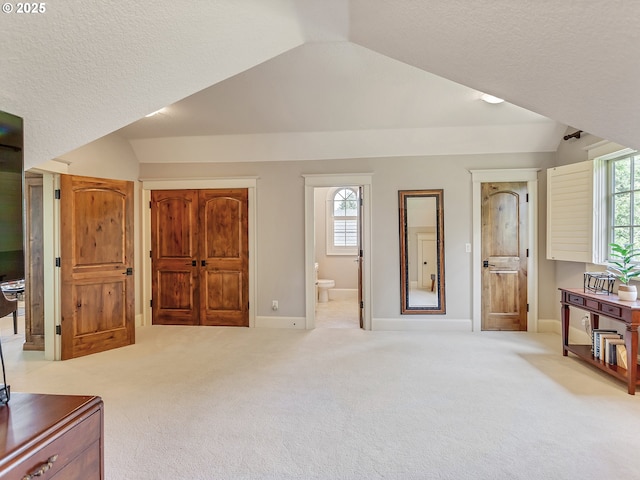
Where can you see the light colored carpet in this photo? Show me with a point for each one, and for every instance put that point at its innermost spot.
(339, 403)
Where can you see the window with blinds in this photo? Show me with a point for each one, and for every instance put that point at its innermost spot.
(343, 222)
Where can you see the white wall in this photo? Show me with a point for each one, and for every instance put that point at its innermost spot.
(341, 268)
(280, 251)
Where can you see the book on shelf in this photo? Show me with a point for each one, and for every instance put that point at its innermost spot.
(610, 355)
(595, 336)
(603, 346)
(621, 357)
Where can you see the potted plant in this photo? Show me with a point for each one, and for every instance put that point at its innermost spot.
(624, 268)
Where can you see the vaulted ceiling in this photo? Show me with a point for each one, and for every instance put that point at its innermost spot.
(306, 79)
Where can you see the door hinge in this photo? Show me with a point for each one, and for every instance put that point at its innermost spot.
(527, 308)
(527, 253)
(149, 203)
(151, 303)
(361, 304)
(150, 254)
(58, 330)
(58, 261)
(527, 198)
(248, 305)
(56, 194)
(361, 201)
(361, 253)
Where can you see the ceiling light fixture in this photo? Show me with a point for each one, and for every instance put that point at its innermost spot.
(491, 99)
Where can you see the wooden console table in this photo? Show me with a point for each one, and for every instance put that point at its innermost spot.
(609, 306)
(55, 437)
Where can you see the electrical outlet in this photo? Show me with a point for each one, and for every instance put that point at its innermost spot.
(274, 305)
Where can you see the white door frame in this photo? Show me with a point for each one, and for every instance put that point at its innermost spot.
(529, 175)
(249, 183)
(312, 181)
(51, 251)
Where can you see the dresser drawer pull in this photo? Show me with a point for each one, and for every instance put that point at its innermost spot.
(42, 469)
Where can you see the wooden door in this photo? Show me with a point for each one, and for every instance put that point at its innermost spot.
(96, 230)
(224, 257)
(174, 257)
(504, 254)
(34, 260)
(200, 257)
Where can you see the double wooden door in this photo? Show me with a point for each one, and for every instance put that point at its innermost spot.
(200, 257)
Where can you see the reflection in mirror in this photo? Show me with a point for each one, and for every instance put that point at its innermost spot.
(421, 251)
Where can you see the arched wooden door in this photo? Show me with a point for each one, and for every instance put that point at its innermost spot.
(504, 255)
(200, 257)
(96, 230)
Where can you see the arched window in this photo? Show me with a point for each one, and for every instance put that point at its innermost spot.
(342, 221)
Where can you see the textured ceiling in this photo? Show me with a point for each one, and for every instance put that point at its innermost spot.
(292, 69)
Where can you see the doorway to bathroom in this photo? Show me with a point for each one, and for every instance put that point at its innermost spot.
(361, 182)
(337, 256)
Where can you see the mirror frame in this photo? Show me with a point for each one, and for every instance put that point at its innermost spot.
(406, 308)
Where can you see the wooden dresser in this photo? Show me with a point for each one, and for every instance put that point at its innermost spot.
(44, 437)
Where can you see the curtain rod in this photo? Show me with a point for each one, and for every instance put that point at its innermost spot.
(573, 135)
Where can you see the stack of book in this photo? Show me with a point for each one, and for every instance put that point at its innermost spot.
(608, 346)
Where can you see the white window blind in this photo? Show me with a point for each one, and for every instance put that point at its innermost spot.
(570, 212)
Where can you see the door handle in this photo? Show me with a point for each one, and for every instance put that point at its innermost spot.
(193, 263)
(203, 263)
(128, 271)
(486, 264)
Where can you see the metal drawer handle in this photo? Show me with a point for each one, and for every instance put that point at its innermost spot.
(42, 469)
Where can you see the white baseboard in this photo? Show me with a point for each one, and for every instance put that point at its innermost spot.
(437, 324)
(549, 326)
(280, 322)
(343, 294)
(576, 335)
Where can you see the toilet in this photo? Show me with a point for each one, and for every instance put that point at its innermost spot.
(323, 289)
(323, 285)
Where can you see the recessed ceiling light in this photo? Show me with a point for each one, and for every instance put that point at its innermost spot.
(155, 113)
(490, 98)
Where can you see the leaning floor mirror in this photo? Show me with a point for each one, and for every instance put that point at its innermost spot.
(421, 251)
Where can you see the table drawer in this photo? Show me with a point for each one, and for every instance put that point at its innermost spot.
(57, 451)
(610, 310)
(575, 299)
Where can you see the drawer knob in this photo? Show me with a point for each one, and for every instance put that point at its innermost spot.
(42, 469)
